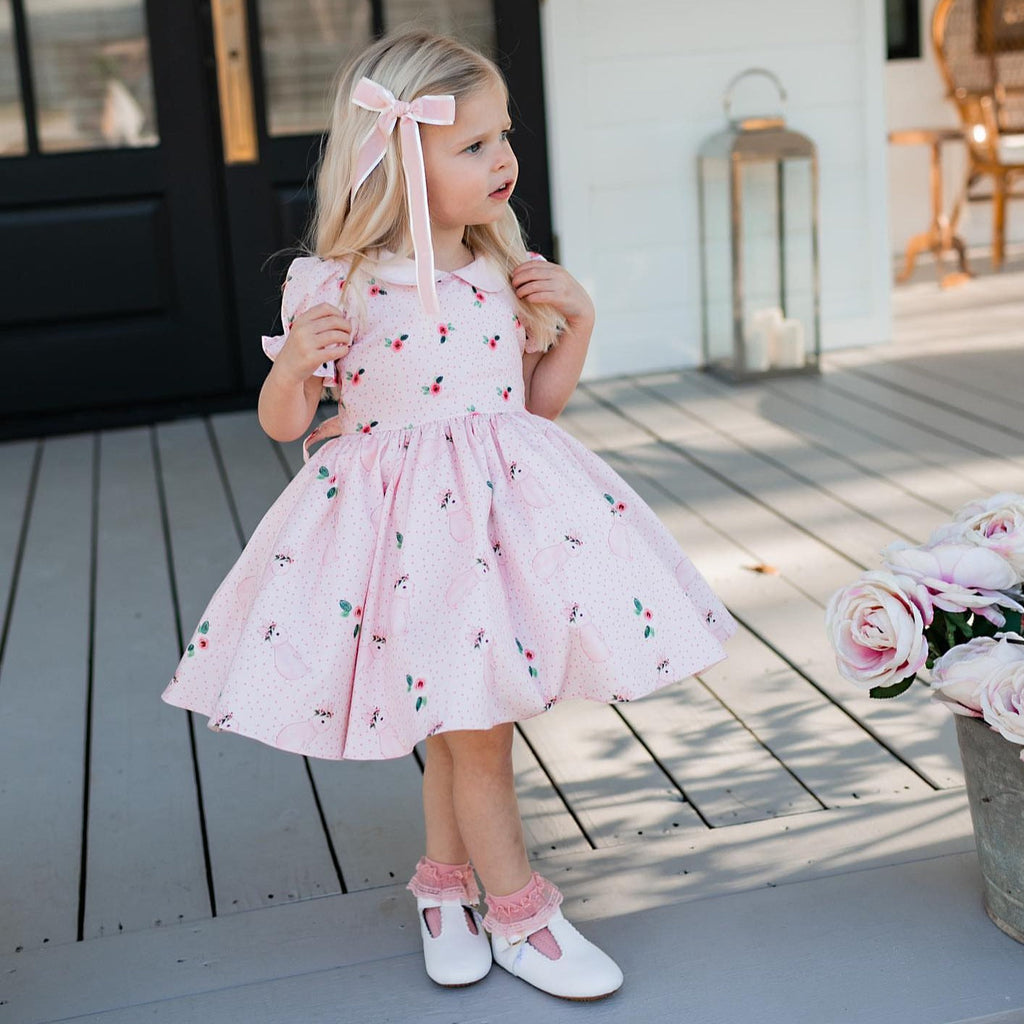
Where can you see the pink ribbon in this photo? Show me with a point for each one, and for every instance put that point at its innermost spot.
(424, 110)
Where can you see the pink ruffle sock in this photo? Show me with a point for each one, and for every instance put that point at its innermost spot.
(434, 880)
(525, 914)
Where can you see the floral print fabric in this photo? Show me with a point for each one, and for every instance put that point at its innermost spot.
(450, 561)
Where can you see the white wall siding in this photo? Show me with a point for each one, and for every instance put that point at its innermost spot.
(634, 89)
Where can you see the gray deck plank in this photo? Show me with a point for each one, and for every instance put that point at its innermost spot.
(843, 527)
(726, 774)
(614, 788)
(919, 731)
(16, 462)
(900, 511)
(44, 683)
(145, 862)
(863, 406)
(924, 915)
(265, 836)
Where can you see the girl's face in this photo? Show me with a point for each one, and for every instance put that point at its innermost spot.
(471, 169)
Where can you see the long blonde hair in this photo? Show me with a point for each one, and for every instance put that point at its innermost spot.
(410, 64)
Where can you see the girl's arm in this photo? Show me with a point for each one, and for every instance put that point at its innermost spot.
(289, 396)
(549, 378)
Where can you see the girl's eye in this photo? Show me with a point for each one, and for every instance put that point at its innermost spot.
(506, 133)
(475, 148)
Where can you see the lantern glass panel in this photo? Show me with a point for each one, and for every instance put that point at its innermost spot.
(798, 248)
(717, 251)
(759, 239)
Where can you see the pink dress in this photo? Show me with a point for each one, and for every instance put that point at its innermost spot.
(449, 560)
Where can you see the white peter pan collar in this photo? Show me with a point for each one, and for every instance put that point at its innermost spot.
(482, 273)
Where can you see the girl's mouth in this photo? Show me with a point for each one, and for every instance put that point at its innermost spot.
(504, 192)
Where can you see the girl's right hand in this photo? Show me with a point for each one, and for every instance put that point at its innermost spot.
(320, 335)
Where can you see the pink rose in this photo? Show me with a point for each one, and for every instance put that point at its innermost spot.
(1002, 693)
(958, 577)
(877, 629)
(996, 523)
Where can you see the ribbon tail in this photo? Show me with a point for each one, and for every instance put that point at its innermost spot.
(416, 192)
(371, 152)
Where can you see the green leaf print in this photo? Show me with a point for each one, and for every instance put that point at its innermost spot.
(191, 650)
(323, 472)
(519, 645)
(638, 605)
(421, 702)
(204, 627)
(332, 492)
(648, 632)
(345, 606)
(355, 632)
(399, 538)
(533, 672)
(609, 499)
(408, 684)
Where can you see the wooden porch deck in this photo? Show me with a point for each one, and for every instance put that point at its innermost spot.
(727, 839)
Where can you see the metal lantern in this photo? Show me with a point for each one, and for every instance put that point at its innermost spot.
(758, 184)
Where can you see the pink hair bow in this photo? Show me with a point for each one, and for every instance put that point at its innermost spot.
(426, 110)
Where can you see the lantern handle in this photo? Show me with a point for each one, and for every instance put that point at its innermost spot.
(765, 73)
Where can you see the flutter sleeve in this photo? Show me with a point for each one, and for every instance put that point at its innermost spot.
(526, 342)
(309, 281)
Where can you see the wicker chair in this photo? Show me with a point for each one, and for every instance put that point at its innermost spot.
(980, 49)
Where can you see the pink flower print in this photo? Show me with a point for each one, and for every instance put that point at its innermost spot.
(432, 389)
(590, 640)
(378, 645)
(478, 296)
(323, 473)
(299, 737)
(354, 378)
(547, 561)
(505, 392)
(465, 581)
(516, 322)
(492, 342)
(646, 614)
(417, 686)
(396, 344)
(366, 428)
(356, 613)
(200, 642)
(529, 656)
(526, 484)
(618, 535)
(460, 526)
(444, 330)
(286, 658)
(375, 288)
(401, 613)
(387, 737)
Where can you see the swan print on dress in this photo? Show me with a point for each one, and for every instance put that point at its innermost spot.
(439, 533)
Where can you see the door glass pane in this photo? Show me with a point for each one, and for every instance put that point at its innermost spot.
(90, 64)
(303, 43)
(12, 113)
(471, 21)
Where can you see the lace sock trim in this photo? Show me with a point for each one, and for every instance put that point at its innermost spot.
(434, 880)
(521, 913)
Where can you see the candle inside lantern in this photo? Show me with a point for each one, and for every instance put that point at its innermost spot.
(789, 345)
(760, 339)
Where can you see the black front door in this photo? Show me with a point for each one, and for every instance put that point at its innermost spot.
(154, 157)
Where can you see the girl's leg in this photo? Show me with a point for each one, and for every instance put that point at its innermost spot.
(484, 806)
(444, 841)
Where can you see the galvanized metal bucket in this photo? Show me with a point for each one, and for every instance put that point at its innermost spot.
(994, 774)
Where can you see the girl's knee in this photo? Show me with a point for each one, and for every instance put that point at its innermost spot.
(482, 749)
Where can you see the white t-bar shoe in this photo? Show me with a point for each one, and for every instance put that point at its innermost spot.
(457, 956)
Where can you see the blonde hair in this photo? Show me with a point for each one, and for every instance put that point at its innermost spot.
(410, 64)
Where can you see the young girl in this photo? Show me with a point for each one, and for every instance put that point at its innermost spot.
(450, 561)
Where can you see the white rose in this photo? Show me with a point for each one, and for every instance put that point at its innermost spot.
(877, 630)
(1002, 698)
(957, 677)
(996, 523)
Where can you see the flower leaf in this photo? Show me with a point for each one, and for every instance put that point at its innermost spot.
(888, 692)
(638, 605)
(345, 606)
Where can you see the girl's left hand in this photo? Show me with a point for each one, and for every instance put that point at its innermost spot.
(541, 281)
